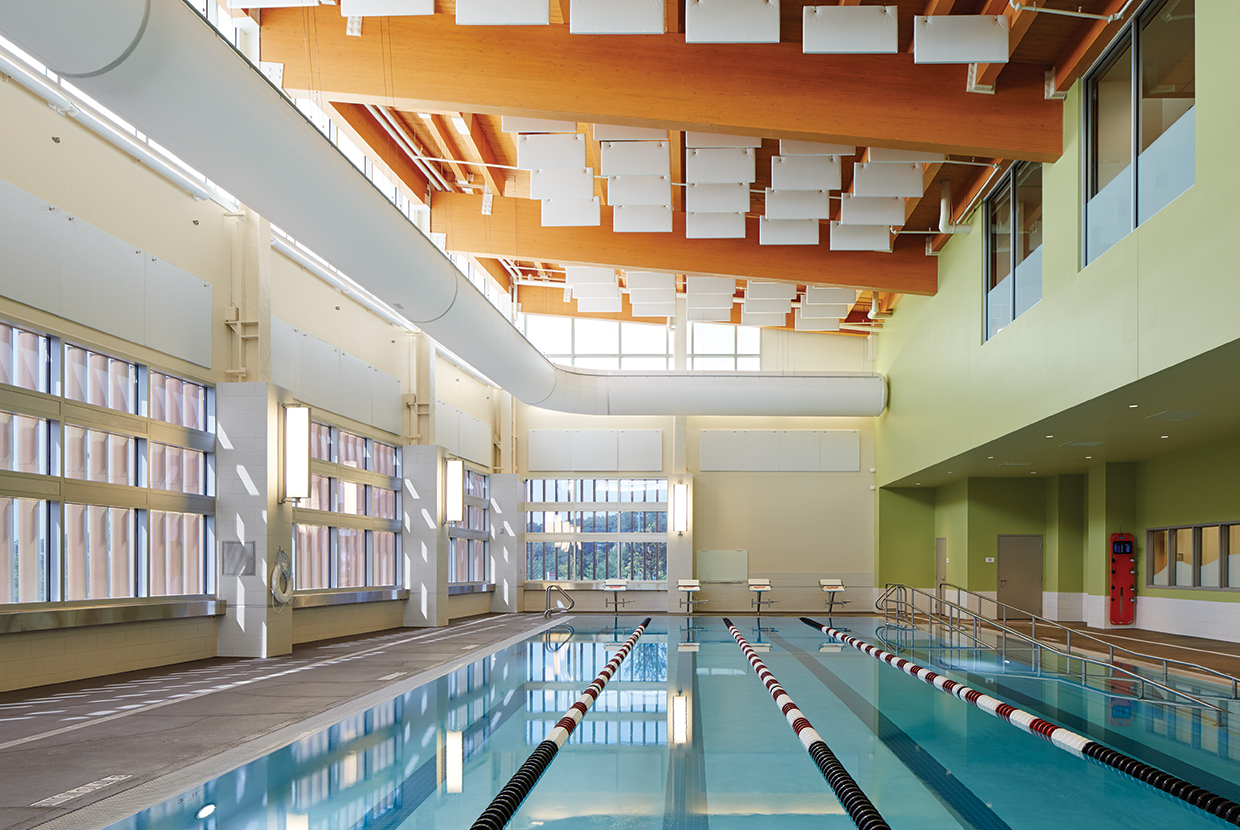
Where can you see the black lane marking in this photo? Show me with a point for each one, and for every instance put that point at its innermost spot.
(955, 797)
(1115, 740)
(685, 807)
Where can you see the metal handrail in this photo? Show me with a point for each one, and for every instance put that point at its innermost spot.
(547, 609)
(1111, 648)
(1019, 635)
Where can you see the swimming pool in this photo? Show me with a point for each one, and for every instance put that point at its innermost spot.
(685, 736)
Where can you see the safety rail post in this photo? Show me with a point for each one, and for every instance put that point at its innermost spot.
(854, 801)
(1065, 739)
(505, 805)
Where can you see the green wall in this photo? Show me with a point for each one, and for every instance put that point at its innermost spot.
(951, 522)
(1000, 506)
(1097, 328)
(905, 537)
(1065, 534)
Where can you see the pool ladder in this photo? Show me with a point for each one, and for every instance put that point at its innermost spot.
(548, 610)
(905, 605)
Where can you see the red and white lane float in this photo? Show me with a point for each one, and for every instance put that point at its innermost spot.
(855, 802)
(1065, 739)
(505, 805)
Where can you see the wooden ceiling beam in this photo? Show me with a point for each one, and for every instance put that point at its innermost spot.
(514, 230)
(933, 7)
(475, 141)
(441, 134)
(496, 270)
(1077, 57)
(982, 76)
(428, 63)
(358, 120)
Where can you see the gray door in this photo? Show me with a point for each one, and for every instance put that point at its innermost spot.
(940, 561)
(1020, 573)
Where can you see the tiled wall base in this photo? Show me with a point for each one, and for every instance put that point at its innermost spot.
(1063, 606)
(36, 658)
(314, 624)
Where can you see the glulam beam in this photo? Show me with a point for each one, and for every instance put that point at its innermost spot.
(429, 64)
(982, 76)
(514, 230)
(1080, 54)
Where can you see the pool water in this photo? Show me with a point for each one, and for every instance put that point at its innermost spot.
(684, 736)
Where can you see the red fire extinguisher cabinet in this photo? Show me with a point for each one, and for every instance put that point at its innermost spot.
(1123, 579)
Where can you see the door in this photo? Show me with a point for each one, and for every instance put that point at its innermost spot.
(940, 561)
(1020, 573)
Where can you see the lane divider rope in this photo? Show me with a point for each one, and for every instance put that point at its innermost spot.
(854, 801)
(1065, 739)
(508, 801)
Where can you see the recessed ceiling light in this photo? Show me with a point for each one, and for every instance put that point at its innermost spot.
(990, 457)
(919, 484)
(1050, 436)
(1088, 457)
(1033, 473)
(1132, 406)
(1166, 436)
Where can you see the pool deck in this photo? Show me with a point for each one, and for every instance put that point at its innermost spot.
(165, 729)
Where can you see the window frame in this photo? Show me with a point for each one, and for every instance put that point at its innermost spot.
(1008, 186)
(1129, 36)
(1193, 558)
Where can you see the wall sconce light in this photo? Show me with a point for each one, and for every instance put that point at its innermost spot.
(454, 762)
(680, 508)
(296, 452)
(680, 719)
(454, 495)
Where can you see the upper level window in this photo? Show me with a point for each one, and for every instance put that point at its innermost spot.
(23, 358)
(1141, 107)
(722, 346)
(101, 380)
(600, 344)
(177, 401)
(1013, 247)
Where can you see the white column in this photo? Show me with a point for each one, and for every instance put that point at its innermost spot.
(424, 536)
(507, 542)
(247, 510)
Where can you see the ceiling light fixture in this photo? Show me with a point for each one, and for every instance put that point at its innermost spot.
(1088, 457)
(1050, 436)
(1132, 406)
(1166, 436)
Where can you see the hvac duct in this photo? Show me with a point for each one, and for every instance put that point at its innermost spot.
(160, 65)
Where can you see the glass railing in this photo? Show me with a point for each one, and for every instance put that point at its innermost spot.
(1167, 168)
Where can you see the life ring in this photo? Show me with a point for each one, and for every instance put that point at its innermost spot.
(282, 579)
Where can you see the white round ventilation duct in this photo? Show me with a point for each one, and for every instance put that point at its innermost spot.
(162, 67)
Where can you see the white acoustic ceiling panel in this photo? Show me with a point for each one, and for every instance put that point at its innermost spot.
(571, 213)
(960, 38)
(539, 152)
(726, 197)
(646, 296)
(824, 294)
(797, 204)
(596, 291)
(787, 231)
(661, 309)
(562, 183)
(827, 311)
(714, 226)
(844, 30)
(805, 172)
(696, 301)
(801, 323)
(503, 12)
(883, 179)
(650, 280)
(723, 164)
(385, 8)
(639, 190)
(641, 219)
(732, 21)
(871, 210)
(636, 158)
(709, 315)
(616, 17)
(599, 306)
(710, 285)
(758, 305)
(703, 140)
(517, 124)
(612, 132)
(885, 154)
(583, 274)
(860, 237)
(749, 318)
(755, 290)
(814, 148)
(270, 4)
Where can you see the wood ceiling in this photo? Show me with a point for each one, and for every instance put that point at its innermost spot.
(429, 77)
